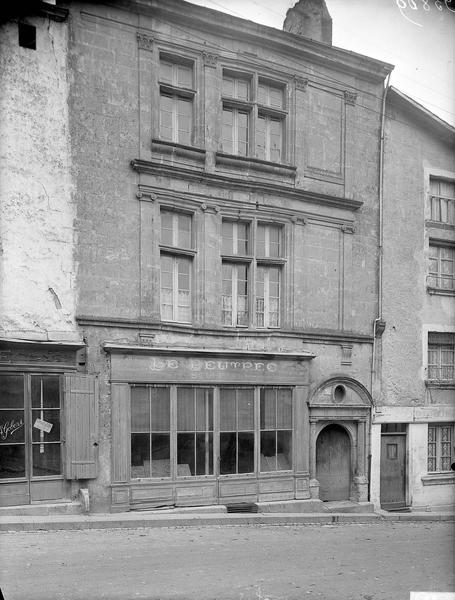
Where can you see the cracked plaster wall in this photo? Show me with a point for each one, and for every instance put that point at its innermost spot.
(37, 269)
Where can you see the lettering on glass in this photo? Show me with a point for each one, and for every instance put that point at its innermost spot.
(8, 428)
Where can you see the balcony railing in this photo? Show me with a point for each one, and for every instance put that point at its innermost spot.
(442, 209)
(441, 282)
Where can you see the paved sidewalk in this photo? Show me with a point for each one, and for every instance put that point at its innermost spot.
(197, 518)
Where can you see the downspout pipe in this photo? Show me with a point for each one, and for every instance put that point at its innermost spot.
(378, 324)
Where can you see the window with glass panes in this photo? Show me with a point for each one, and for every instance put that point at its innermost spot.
(440, 447)
(441, 356)
(239, 265)
(276, 429)
(236, 430)
(176, 263)
(441, 267)
(173, 429)
(442, 200)
(254, 115)
(150, 432)
(30, 418)
(194, 431)
(176, 100)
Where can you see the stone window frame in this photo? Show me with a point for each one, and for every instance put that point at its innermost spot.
(253, 261)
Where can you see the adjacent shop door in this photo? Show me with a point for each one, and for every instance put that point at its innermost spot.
(30, 440)
(333, 463)
(393, 470)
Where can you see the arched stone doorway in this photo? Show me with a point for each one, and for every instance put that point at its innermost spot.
(340, 412)
(333, 463)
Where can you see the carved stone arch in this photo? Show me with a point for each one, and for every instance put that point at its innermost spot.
(321, 393)
(348, 427)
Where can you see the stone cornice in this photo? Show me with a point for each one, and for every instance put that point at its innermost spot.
(318, 336)
(182, 13)
(157, 168)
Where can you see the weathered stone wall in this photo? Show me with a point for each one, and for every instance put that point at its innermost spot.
(36, 206)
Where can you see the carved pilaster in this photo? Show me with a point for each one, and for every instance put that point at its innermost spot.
(348, 228)
(350, 97)
(301, 83)
(145, 42)
(210, 60)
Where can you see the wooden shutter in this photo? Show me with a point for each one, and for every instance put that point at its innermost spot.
(81, 431)
(120, 398)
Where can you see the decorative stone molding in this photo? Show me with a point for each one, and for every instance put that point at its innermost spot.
(301, 83)
(348, 228)
(142, 195)
(145, 42)
(210, 60)
(350, 97)
(346, 354)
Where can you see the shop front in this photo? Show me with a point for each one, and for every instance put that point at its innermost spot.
(48, 423)
(196, 427)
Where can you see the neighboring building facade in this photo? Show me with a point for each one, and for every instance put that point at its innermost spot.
(413, 428)
(39, 337)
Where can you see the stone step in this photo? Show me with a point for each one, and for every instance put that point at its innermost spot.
(40, 509)
(346, 506)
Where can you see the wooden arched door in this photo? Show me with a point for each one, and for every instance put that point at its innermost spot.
(333, 463)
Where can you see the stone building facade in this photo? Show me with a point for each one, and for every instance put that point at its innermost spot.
(412, 432)
(217, 191)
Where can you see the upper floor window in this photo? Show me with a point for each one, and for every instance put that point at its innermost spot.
(176, 265)
(176, 100)
(442, 201)
(441, 356)
(441, 267)
(254, 116)
(440, 447)
(251, 274)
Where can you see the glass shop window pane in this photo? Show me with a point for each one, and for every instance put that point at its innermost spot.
(185, 409)
(46, 460)
(161, 453)
(246, 452)
(245, 410)
(268, 408)
(185, 454)
(50, 416)
(140, 409)
(227, 408)
(140, 455)
(160, 409)
(12, 461)
(50, 388)
(284, 409)
(204, 453)
(268, 451)
(284, 450)
(204, 410)
(11, 391)
(12, 429)
(228, 453)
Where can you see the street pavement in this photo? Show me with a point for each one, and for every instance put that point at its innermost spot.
(377, 561)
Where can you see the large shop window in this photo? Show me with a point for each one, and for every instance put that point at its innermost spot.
(176, 265)
(30, 418)
(176, 100)
(173, 429)
(254, 117)
(252, 274)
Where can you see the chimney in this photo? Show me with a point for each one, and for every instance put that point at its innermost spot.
(310, 19)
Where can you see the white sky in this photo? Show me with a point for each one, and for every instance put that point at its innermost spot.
(420, 43)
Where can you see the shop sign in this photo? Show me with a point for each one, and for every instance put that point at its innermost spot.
(207, 369)
(43, 425)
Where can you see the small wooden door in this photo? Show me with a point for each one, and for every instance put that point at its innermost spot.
(393, 471)
(333, 463)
